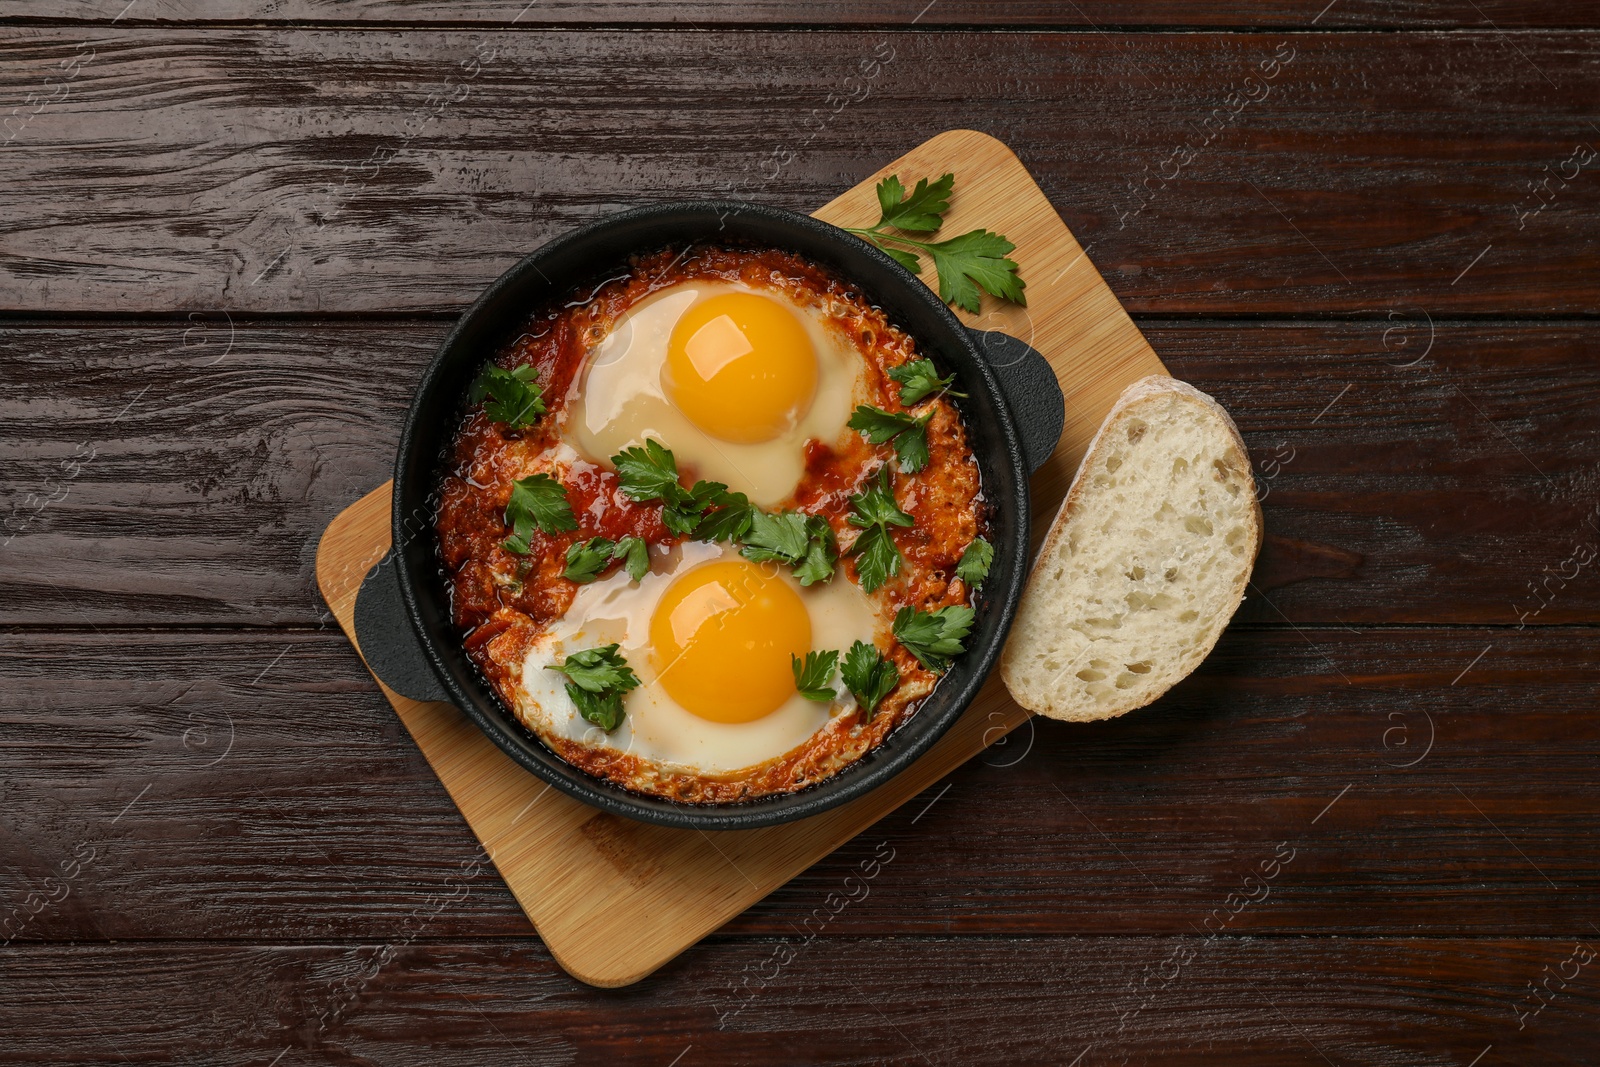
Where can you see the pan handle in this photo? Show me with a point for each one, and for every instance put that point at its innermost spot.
(387, 640)
(1032, 392)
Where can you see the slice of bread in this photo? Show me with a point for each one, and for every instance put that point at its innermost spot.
(1145, 563)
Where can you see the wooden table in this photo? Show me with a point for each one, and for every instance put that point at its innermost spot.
(1363, 833)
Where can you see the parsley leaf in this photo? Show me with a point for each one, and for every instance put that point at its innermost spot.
(877, 556)
(781, 537)
(709, 511)
(728, 521)
(514, 397)
(918, 212)
(685, 506)
(586, 559)
(598, 677)
(598, 669)
(918, 379)
(869, 676)
(968, 265)
(976, 262)
(878, 425)
(875, 505)
(536, 501)
(813, 676)
(822, 552)
(910, 436)
(679, 521)
(805, 542)
(975, 562)
(908, 260)
(602, 709)
(912, 446)
(635, 555)
(933, 636)
(648, 472)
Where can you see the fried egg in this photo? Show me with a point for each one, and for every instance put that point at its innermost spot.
(710, 635)
(733, 380)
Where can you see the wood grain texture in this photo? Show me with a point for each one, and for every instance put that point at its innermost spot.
(286, 802)
(1123, 14)
(310, 897)
(838, 1001)
(349, 171)
(1413, 473)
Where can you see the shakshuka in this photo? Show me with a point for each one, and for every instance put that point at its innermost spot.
(711, 526)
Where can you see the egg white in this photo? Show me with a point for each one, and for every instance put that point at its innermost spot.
(654, 726)
(619, 400)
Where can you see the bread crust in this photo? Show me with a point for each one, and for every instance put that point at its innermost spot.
(1142, 394)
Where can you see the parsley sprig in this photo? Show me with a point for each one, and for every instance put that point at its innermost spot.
(779, 537)
(635, 556)
(586, 559)
(868, 676)
(805, 542)
(934, 637)
(874, 510)
(513, 396)
(968, 265)
(909, 435)
(974, 565)
(918, 379)
(597, 678)
(537, 502)
(650, 472)
(729, 519)
(822, 552)
(866, 672)
(813, 676)
(709, 511)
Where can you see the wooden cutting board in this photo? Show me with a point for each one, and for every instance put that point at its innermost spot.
(615, 899)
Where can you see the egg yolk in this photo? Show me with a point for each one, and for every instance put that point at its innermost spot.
(741, 367)
(721, 639)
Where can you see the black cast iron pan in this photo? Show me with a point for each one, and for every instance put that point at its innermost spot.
(1013, 411)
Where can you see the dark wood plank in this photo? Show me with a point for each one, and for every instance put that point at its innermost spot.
(274, 796)
(257, 778)
(353, 171)
(1345, 14)
(1393, 1003)
(209, 459)
(1412, 473)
